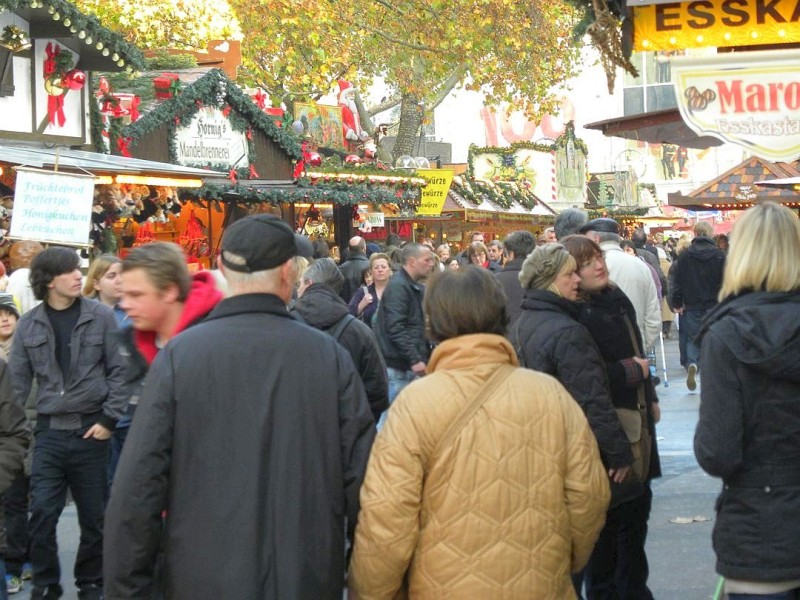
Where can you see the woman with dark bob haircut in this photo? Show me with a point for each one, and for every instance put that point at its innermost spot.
(478, 454)
(748, 433)
(618, 566)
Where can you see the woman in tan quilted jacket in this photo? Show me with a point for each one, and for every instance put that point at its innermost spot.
(486, 481)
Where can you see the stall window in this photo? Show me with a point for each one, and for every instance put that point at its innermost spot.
(6, 73)
(652, 89)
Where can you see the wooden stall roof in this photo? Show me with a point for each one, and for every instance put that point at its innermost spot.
(737, 190)
(656, 127)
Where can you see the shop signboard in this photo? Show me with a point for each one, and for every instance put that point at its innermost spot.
(715, 23)
(435, 192)
(751, 99)
(52, 207)
(210, 141)
(375, 219)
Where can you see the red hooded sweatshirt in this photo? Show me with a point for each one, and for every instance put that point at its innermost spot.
(203, 296)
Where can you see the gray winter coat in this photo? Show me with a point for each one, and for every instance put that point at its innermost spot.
(95, 380)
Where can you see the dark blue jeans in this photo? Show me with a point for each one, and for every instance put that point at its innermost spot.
(15, 508)
(692, 320)
(64, 459)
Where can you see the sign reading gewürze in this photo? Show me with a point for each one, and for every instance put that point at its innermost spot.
(751, 99)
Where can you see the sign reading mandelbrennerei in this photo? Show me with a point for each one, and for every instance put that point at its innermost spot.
(751, 99)
(210, 141)
(52, 207)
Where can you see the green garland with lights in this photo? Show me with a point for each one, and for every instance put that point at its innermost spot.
(504, 151)
(206, 91)
(336, 193)
(502, 194)
(75, 22)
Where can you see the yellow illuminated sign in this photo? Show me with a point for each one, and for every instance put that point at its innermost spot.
(435, 193)
(704, 23)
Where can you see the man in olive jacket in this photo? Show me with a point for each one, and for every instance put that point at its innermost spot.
(252, 436)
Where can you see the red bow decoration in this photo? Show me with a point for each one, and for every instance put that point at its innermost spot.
(177, 121)
(253, 172)
(232, 175)
(134, 109)
(261, 99)
(123, 145)
(300, 165)
(55, 110)
(249, 133)
(227, 110)
(52, 50)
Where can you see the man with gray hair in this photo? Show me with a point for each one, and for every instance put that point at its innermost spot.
(631, 275)
(319, 305)
(518, 245)
(696, 278)
(399, 323)
(249, 422)
(569, 222)
(353, 267)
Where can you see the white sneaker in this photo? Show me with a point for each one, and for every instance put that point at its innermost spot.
(691, 378)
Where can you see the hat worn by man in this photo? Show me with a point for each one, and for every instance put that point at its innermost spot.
(261, 242)
(7, 303)
(603, 225)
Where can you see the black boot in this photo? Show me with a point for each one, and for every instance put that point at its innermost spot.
(90, 591)
(51, 592)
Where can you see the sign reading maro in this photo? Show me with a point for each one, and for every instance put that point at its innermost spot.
(210, 141)
(751, 99)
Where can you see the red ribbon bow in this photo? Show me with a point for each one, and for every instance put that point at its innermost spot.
(227, 110)
(52, 50)
(261, 99)
(232, 175)
(134, 109)
(249, 133)
(123, 145)
(253, 172)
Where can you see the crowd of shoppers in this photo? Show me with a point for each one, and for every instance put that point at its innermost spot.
(216, 431)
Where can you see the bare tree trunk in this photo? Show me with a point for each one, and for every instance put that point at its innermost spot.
(411, 112)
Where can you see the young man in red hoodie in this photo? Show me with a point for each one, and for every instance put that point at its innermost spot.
(161, 299)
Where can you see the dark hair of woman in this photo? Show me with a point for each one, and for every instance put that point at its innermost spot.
(462, 302)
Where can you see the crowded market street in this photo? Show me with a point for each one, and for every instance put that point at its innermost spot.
(681, 559)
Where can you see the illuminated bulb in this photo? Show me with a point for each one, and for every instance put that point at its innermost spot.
(51, 10)
(129, 69)
(115, 57)
(67, 22)
(646, 44)
(88, 40)
(754, 34)
(120, 63)
(99, 45)
(56, 16)
(73, 29)
(782, 33)
(81, 34)
(727, 35)
(673, 41)
(106, 52)
(699, 38)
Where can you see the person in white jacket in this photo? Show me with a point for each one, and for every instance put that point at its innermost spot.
(631, 275)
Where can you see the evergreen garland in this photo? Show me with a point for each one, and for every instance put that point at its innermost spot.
(205, 91)
(75, 21)
(500, 193)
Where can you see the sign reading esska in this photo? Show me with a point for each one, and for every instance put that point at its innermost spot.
(210, 141)
(435, 192)
(751, 99)
(709, 23)
(52, 207)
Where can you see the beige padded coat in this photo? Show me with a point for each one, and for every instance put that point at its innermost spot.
(506, 510)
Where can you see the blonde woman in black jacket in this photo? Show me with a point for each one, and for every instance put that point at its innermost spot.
(748, 433)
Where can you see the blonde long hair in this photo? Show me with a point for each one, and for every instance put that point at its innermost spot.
(97, 269)
(763, 254)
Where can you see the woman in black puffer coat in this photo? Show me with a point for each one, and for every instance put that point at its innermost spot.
(748, 433)
(618, 567)
(549, 339)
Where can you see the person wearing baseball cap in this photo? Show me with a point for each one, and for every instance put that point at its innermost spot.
(253, 402)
